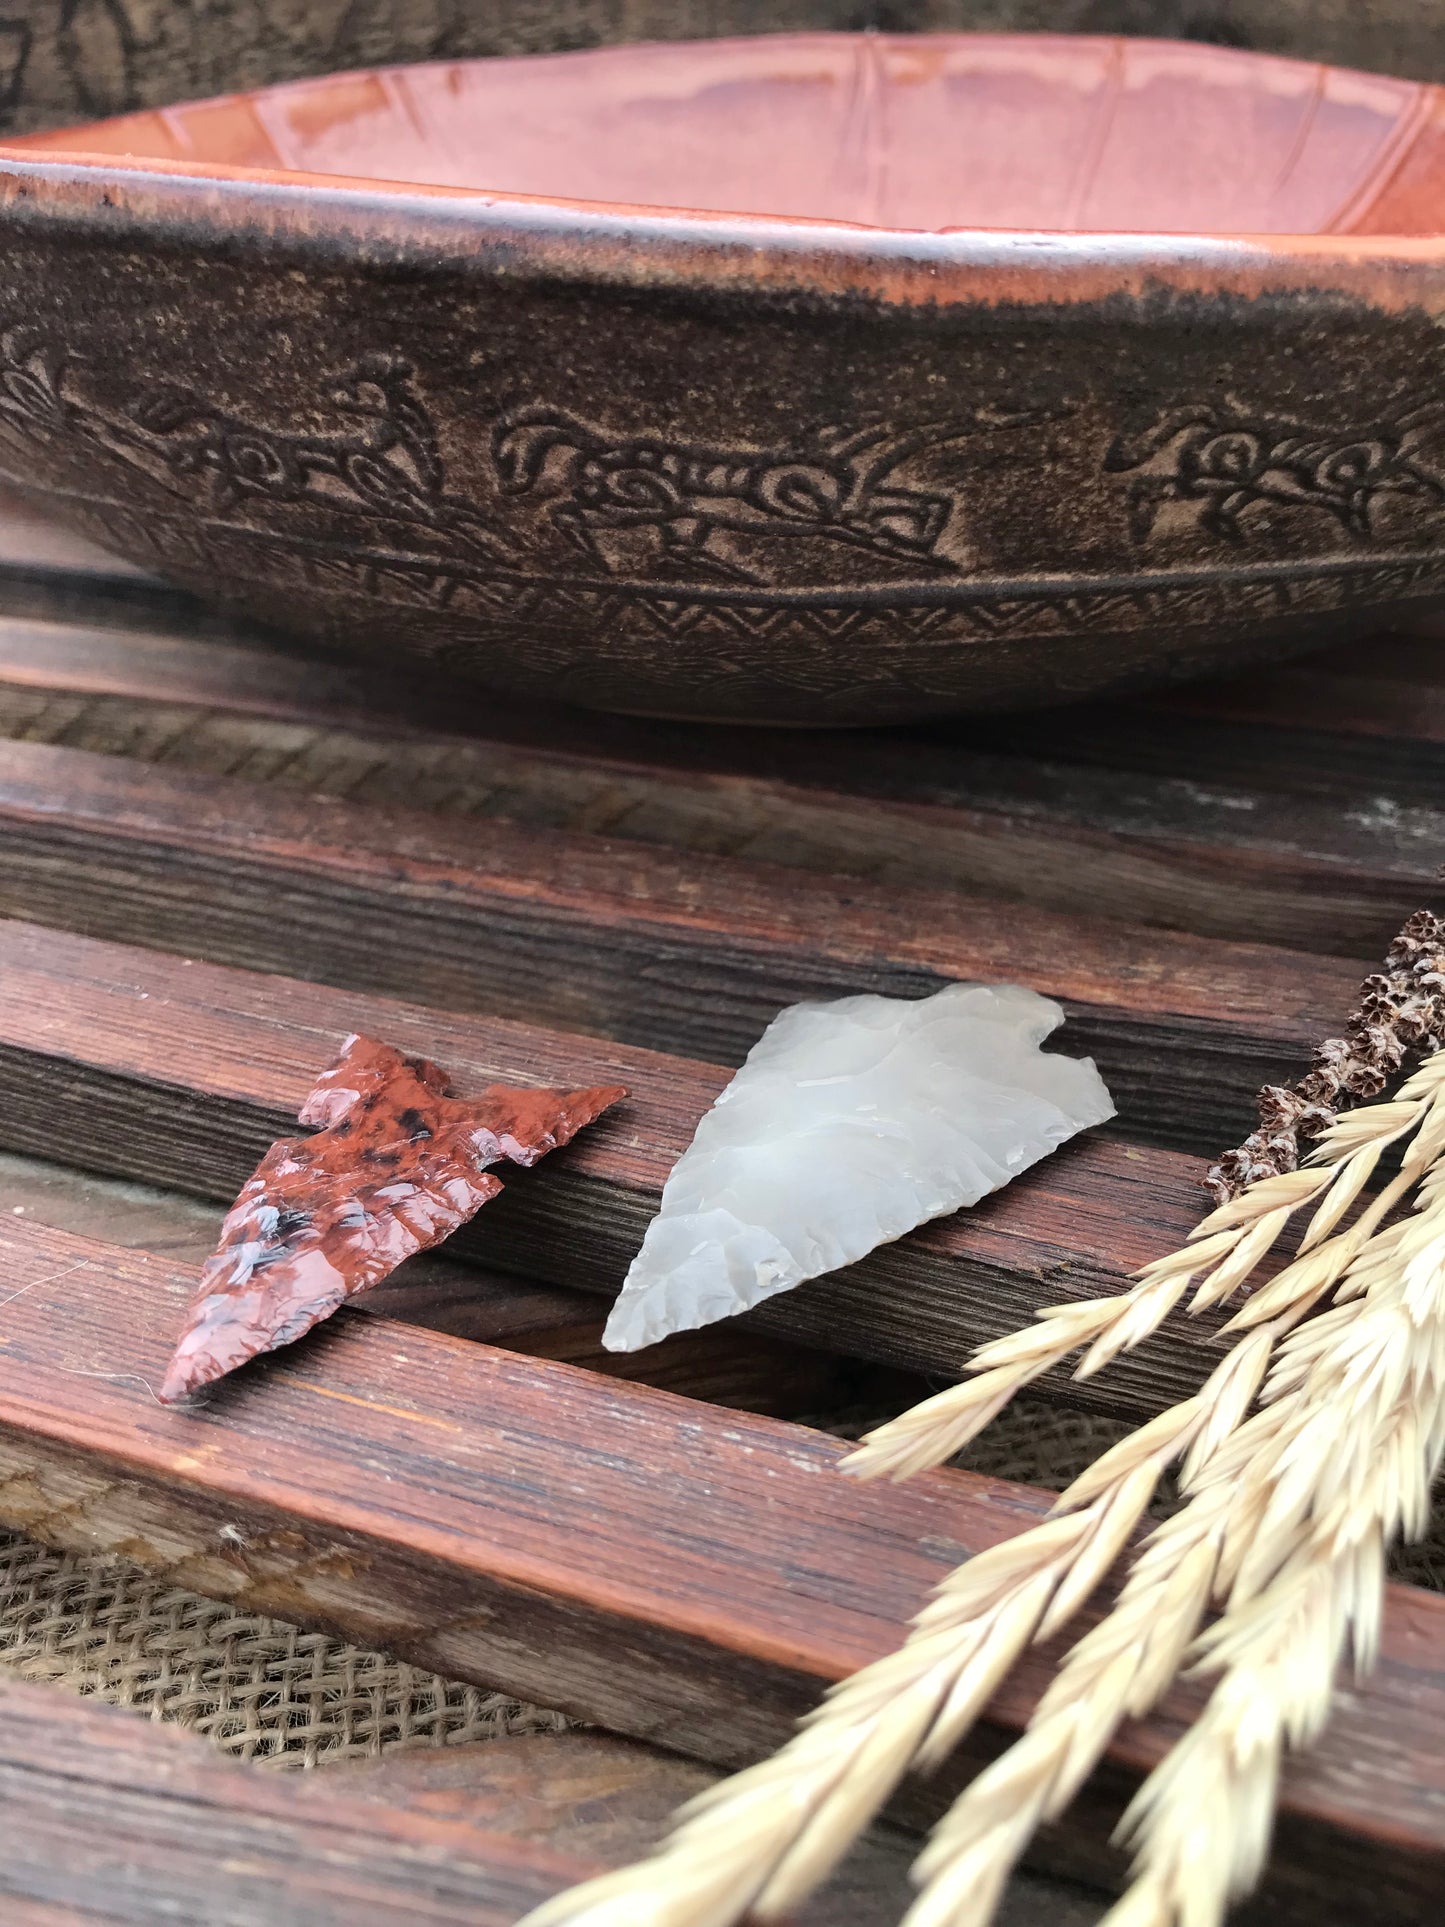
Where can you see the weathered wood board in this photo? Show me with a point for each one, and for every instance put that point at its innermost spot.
(687, 1577)
(216, 858)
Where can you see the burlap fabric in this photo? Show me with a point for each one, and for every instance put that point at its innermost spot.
(259, 1689)
(269, 1692)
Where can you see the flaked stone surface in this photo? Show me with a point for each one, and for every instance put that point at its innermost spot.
(849, 1124)
(397, 1164)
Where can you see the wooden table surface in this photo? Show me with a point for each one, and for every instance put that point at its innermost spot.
(216, 858)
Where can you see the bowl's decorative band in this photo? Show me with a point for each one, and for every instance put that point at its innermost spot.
(711, 511)
(640, 564)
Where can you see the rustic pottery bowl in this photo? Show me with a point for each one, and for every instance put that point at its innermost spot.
(816, 378)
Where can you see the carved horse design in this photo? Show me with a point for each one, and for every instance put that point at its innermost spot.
(829, 485)
(382, 457)
(1227, 461)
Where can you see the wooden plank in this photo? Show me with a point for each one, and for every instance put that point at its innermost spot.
(724, 1364)
(110, 1818)
(1384, 778)
(629, 1557)
(1390, 686)
(595, 1795)
(180, 1073)
(582, 1793)
(123, 1820)
(31, 540)
(114, 1818)
(188, 659)
(1173, 845)
(688, 954)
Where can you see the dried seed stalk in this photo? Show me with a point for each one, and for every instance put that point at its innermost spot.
(1401, 1010)
(1222, 1254)
(1242, 1521)
(758, 1843)
(1357, 1437)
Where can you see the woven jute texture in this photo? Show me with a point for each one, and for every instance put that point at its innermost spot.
(259, 1689)
(267, 1691)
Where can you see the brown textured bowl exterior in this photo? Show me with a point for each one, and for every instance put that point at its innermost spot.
(717, 467)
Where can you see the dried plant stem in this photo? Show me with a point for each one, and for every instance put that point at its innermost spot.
(1401, 1011)
(1226, 1777)
(1258, 1188)
(1222, 1253)
(757, 1842)
(1238, 1519)
(761, 1841)
(1358, 1438)
(1118, 1668)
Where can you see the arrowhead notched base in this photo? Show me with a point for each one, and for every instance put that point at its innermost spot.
(397, 1165)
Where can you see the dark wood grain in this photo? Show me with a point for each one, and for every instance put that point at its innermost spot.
(498, 1515)
(1391, 686)
(1188, 834)
(590, 1794)
(111, 1817)
(686, 953)
(635, 1559)
(180, 1073)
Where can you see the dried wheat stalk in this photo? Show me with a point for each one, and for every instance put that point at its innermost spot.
(761, 1841)
(758, 1843)
(1243, 1520)
(1223, 1252)
(1351, 1463)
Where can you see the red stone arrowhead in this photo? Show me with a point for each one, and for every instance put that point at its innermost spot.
(396, 1166)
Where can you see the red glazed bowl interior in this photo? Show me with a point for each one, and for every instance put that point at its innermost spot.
(904, 132)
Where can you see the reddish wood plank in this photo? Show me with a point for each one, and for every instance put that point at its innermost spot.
(30, 539)
(635, 1559)
(129, 1821)
(724, 1364)
(176, 1073)
(1381, 686)
(594, 1794)
(690, 954)
(111, 1818)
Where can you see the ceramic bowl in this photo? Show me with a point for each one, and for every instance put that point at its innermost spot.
(816, 378)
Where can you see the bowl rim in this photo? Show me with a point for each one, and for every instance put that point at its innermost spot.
(537, 239)
(1426, 94)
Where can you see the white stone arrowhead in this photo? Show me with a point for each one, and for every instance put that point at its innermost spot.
(849, 1124)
